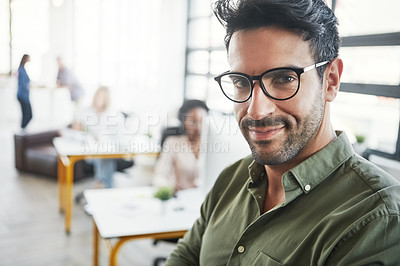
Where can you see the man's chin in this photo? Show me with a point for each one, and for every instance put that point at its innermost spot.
(264, 147)
(268, 153)
(270, 159)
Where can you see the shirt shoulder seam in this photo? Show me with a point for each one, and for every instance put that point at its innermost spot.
(390, 210)
(357, 227)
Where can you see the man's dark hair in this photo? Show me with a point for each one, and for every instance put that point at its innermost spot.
(311, 19)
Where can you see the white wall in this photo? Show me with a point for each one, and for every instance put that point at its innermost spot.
(146, 82)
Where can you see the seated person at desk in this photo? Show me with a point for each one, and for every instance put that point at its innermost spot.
(178, 165)
(95, 120)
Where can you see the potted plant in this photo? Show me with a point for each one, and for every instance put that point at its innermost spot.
(360, 146)
(164, 194)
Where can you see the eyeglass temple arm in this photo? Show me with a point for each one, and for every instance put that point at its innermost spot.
(315, 66)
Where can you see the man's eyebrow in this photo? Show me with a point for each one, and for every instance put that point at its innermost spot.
(267, 69)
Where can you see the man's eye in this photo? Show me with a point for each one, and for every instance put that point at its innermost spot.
(284, 79)
(240, 83)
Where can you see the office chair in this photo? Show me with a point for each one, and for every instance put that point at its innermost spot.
(170, 131)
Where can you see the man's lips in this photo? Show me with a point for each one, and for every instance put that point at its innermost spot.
(260, 133)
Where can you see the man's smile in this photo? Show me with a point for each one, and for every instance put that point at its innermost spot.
(262, 134)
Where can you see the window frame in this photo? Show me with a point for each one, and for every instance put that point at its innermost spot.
(391, 91)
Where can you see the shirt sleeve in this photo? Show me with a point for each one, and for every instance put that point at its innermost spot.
(164, 175)
(187, 252)
(374, 241)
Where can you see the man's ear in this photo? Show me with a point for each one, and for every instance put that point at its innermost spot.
(332, 75)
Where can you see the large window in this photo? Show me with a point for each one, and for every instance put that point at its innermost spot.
(135, 47)
(25, 23)
(4, 37)
(368, 105)
(205, 56)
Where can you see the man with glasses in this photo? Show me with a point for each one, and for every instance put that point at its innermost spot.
(303, 197)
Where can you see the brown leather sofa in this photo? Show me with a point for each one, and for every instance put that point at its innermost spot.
(35, 153)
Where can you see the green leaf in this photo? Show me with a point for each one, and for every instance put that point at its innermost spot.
(164, 193)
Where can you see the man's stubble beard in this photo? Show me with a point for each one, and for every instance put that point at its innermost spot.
(295, 141)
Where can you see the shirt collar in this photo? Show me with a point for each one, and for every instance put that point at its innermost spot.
(311, 171)
(257, 173)
(319, 166)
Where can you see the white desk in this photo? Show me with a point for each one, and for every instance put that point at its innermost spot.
(70, 150)
(133, 213)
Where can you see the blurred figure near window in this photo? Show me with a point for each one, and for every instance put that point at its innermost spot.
(23, 92)
(66, 78)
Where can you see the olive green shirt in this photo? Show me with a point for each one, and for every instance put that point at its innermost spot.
(339, 209)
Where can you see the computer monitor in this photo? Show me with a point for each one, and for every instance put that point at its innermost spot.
(224, 145)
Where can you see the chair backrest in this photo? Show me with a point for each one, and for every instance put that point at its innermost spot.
(170, 131)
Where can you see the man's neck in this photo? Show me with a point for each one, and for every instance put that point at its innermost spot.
(275, 191)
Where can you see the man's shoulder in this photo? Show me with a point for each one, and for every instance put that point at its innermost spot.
(230, 181)
(235, 174)
(240, 165)
(379, 181)
(372, 174)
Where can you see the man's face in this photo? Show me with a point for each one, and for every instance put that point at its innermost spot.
(276, 130)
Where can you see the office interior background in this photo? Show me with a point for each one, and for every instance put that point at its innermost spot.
(153, 54)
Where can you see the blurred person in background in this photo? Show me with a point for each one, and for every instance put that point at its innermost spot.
(23, 92)
(95, 121)
(101, 125)
(178, 165)
(66, 78)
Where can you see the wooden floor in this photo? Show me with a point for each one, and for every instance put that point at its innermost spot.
(32, 229)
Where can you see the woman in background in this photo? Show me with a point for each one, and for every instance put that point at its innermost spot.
(178, 165)
(95, 121)
(23, 92)
(102, 125)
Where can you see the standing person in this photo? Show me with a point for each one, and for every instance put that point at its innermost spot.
(23, 92)
(178, 165)
(303, 197)
(66, 78)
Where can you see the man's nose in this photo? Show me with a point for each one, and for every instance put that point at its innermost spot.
(260, 104)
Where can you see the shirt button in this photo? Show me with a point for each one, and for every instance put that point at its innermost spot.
(307, 188)
(240, 249)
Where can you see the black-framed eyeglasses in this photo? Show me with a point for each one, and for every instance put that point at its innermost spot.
(280, 83)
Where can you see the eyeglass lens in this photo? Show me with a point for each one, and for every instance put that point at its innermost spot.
(279, 83)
